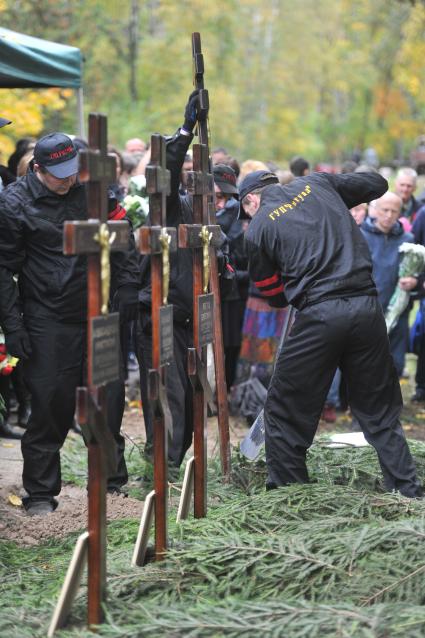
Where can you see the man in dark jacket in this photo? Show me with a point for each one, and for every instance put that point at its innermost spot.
(179, 389)
(233, 304)
(305, 248)
(44, 315)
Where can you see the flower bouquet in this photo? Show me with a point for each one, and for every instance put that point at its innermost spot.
(7, 363)
(411, 265)
(136, 202)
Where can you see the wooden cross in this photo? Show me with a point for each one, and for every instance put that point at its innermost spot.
(95, 238)
(157, 241)
(200, 236)
(221, 387)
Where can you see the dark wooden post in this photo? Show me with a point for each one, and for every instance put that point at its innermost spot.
(221, 387)
(95, 238)
(157, 240)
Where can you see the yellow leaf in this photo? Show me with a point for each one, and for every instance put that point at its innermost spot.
(15, 500)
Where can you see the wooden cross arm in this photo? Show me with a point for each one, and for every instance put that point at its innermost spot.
(200, 183)
(159, 402)
(190, 236)
(157, 180)
(197, 371)
(92, 168)
(79, 236)
(94, 428)
(149, 239)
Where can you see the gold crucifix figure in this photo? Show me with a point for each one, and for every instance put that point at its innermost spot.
(206, 236)
(105, 239)
(165, 240)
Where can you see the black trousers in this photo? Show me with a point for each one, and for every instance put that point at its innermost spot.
(52, 374)
(179, 389)
(349, 333)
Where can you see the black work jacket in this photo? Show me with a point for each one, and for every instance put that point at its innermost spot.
(233, 228)
(303, 244)
(50, 284)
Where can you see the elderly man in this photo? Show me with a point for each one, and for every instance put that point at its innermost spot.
(305, 248)
(405, 186)
(384, 235)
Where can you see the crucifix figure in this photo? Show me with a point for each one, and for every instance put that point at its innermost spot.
(95, 238)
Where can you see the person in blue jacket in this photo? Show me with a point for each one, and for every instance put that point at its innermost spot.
(384, 235)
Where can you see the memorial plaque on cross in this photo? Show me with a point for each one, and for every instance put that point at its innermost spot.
(221, 387)
(158, 241)
(95, 238)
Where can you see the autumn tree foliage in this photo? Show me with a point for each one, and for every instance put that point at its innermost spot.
(316, 77)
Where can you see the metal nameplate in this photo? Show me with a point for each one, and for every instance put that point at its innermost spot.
(105, 349)
(166, 353)
(205, 319)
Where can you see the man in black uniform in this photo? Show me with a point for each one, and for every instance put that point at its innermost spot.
(179, 389)
(305, 249)
(233, 304)
(44, 316)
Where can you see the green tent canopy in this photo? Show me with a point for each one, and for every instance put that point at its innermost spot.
(27, 62)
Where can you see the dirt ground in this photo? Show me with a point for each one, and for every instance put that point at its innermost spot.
(71, 514)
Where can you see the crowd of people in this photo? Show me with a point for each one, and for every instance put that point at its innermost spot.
(288, 238)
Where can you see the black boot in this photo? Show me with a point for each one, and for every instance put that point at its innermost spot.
(24, 413)
(7, 432)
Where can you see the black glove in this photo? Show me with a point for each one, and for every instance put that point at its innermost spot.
(18, 344)
(192, 111)
(126, 302)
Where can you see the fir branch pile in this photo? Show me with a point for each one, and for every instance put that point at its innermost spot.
(336, 558)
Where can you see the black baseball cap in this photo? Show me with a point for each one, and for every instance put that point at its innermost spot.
(225, 178)
(252, 181)
(57, 153)
(4, 122)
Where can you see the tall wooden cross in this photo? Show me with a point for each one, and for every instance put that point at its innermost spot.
(157, 241)
(95, 238)
(200, 236)
(221, 387)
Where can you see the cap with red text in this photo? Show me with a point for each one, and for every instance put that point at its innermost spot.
(225, 178)
(57, 153)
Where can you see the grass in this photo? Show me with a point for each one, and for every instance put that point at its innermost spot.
(338, 557)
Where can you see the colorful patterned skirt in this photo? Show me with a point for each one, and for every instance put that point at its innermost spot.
(262, 328)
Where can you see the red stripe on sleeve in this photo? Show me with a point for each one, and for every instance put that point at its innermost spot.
(273, 291)
(267, 282)
(118, 213)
